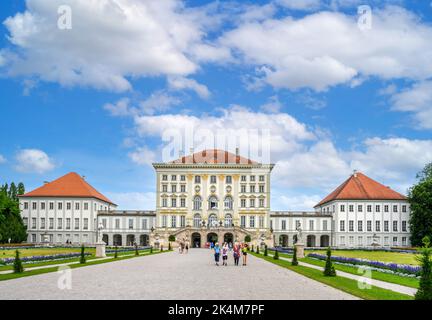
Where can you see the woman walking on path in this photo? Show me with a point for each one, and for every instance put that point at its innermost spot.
(244, 252)
(236, 254)
(216, 253)
(225, 254)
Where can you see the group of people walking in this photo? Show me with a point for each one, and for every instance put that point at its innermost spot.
(239, 249)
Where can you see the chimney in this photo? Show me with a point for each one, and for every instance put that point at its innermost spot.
(355, 173)
(84, 177)
(237, 152)
(46, 182)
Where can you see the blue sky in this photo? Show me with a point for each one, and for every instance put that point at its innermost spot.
(98, 97)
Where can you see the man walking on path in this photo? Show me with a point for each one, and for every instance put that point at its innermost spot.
(216, 253)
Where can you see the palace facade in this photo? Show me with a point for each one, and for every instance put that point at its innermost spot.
(210, 196)
(215, 195)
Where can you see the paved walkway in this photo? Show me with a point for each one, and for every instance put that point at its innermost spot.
(173, 276)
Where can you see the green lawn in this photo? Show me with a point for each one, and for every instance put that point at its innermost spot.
(41, 252)
(73, 266)
(49, 251)
(347, 285)
(392, 278)
(395, 257)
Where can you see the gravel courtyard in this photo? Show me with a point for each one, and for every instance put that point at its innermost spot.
(173, 276)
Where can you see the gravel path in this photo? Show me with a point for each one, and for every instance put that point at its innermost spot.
(173, 276)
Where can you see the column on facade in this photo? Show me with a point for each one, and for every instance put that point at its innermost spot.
(205, 195)
(220, 194)
(189, 200)
(236, 199)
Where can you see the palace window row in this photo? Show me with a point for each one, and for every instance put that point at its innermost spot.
(43, 223)
(395, 226)
(173, 221)
(77, 206)
(213, 203)
(252, 222)
(369, 208)
(213, 178)
(173, 177)
(174, 188)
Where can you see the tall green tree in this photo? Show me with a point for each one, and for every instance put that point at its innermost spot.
(21, 189)
(5, 189)
(11, 224)
(13, 192)
(420, 199)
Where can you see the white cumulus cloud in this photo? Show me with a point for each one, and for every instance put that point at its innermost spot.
(416, 100)
(181, 83)
(325, 49)
(33, 161)
(143, 156)
(110, 41)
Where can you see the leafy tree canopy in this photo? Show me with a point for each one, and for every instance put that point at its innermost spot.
(420, 199)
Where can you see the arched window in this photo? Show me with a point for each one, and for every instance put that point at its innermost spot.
(228, 221)
(228, 202)
(213, 202)
(197, 203)
(213, 220)
(197, 221)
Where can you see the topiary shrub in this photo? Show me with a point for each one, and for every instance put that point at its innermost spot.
(294, 261)
(136, 250)
(425, 287)
(17, 266)
(257, 250)
(151, 249)
(115, 252)
(329, 270)
(171, 238)
(265, 251)
(247, 238)
(82, 256)
(276, 255)
(161, 248)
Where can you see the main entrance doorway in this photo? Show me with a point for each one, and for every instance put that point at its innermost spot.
(196, 240)
(228, 238)
(212, 237)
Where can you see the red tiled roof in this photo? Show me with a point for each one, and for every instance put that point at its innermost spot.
(70, 185)
(214, 156)
(360, 187)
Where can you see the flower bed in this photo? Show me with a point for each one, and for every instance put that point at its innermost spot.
(400, 269)
(130, 249)
(32, 259)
